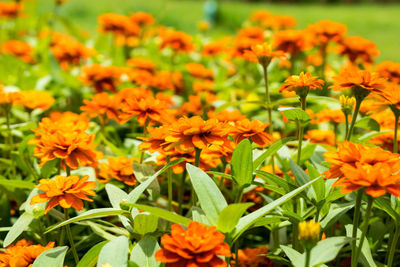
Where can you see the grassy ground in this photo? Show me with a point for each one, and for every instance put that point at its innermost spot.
(378, 23)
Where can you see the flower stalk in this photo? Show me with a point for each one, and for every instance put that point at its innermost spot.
(71, 240)
(393, 246)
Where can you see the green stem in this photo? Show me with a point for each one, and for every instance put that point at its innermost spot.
(295, 227)
(275, 238)
(68, 170)
(393, 246)
(236, 253)
(144, 135)
(364, 230)
(301, 129)
(181, 192)
(169, 174)
(69, 234)
(269, 109)
(196, 163)
(356, 220)
(347, 125)
(10, 141)
(353, 121)
(308, 258)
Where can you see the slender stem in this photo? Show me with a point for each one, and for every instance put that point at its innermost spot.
(236, 253)
(301, 129)
(169, 177)
(10, 141)
(181, 192)
(324, 59)
(364, 230)
(68, 170)
(196, 163)
(275, 238)
(347, 125)
(295, 227)
(356, 220)
(269, 109)
(308, 258)
(393, 246)
(335, 130)
(69, 234)
(144, 135)
(396, 126)
(353, 121)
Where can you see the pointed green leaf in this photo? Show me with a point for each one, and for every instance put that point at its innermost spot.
(114, 253)
(230, 215)
(242, 164)
(164, 214)
(91, 257)
(53, 257)
(18, 227)
(271, 151)
(143, 253)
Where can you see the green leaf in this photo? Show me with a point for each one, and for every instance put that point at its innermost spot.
(246, 221)
(145, 223)
(48, 168)
(164, 214)
(296, 115)
(242, 164)
(383, 203)
(91, 257)
(230, 215)
(142, 173)
(90, 214)
(296, 258)
(143, 252)
(327, 250)
(198, 215)
(366, 257)
(116, 196)
(137, 192)
(300, 176)
(53, 257)
(114, 253)
(211, 199)
(271, 151)
(319, 185)
(17, 184)
(18, 227)
(334, 214)
(276, 180)
(368, 123)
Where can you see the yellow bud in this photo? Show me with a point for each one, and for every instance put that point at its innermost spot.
(309, 231)
(203, 25)
(347, 103)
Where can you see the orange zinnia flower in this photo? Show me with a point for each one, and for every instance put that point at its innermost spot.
(22, 254)
(122, 27)
(18, 49)
(259, 15)
(103, 106)
(263, 54)
(188, 133)
(216, 47)
(302, 83)
(198, 245)
(9, 97)
(327, 30)
(227, 115)
(358, 49)
(199, 71)
(279, 22)
(386, 140)
(101, 78)
(142, 64)
(156, 140)
(391, 95)
(290, 41)
(330, 115)
(242, 44)
(253, 257)
(119, 169)
(324, 137)
(389, 70)
(254, 129)
(177, 40)
(355, 79)
(142, 19)
(255, 33)
(36, 99)
(10, 10)
(64, 191)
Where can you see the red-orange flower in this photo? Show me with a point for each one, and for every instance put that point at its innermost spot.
(279, 22)
(18, 49)
(103, 106)
(358, 49)
(326, 31)
(330, 115)
(389, 70)
(254, 129)
(227, 115)
(156, 140)
(142, 64)
(290, 41)
(64, 191)
(101, 78)
(119, 169)
(199, 71)
(385, 140)
(216, 47)
(142, 19)
(10, 10)
(304, 81)
(177, 40)
(122, 27)
(22, 254)
(197, 246)
(254, 257)
(391, 95)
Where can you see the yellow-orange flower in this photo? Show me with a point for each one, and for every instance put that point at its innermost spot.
(227, 115)
(9, 97)
(101, 78)
(199, 71)
(385, 140)
(391, 95)
(142, 64)
(18, 49)
(326, 31)
(119, 169)
(36, 99)
(254, 129)
(64, 191)
(389, 70)
(324, 137)
(290, 41)
(103, 106)
(10, 10)
(299, 83)
(263, 54)
(358, 49)
(330, 115)
(122, 27)
(156, 140)
(198, 245)
(215, 48)
(22, 254)
(177, 40)
(253, 257)
(279, 22)
(142, 19)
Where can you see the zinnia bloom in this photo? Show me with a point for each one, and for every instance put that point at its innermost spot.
(18, 49)
(263, 54)
(122, 27)
(64, 191)
(142, 19)
(142, 64)
(253, 257)
(330, 115)
(255, 130)
(119, 169)
(358, 49)
(199, 71)
(389, 70)
(324, 137)
(177, 40)
(9, 97)
(290, 41)
(10, 10)
(36, 99)
(386, 140)
(198, 245)
(22, 254)
(326, 31)
(302, 83)
(103, 106)
(101, 78)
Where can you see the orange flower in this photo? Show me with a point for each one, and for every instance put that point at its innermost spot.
(195, 106)
(326, 31)
(243, 44)
(164, 80)
(101, 78)
(215, 48)
(36, 99)
(119, 169)
(203, 86)
(199, 71)
(103, 106)
(290, 41)
(18, 49)
(391, 95)
(10, 10)
(354, 78)
(122, 27)
(156, 140)
(254, 129)
(227, 115)
(385, 140)
(64, 191)
(68, 51)
(330, 115)
(254, 257)
(324, 137)
(358, 49)
(300, 83)
(389, 70)
(22, 254)
(148, 109)
(176, 40)
(9, 97)
(198, 245)
(142, 19)
(142, 64)
(263, 54)
(279, 22)
(255, 33)
(188, 133)
(259, 16)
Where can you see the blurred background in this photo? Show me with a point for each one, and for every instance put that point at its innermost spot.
(376, 20)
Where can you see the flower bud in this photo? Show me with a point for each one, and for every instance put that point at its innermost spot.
(309, 233)
(347, 104)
